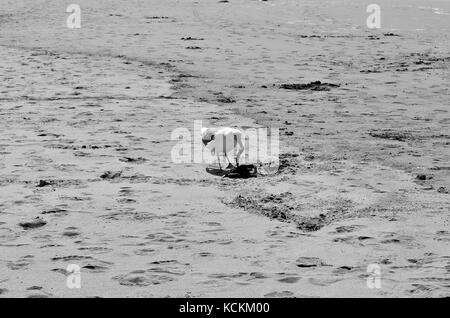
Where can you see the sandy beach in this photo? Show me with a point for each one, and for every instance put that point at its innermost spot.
(85, 148)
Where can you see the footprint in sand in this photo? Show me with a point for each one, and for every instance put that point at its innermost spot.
(40, 293)
(95, 249)
(421, 290)
(142, 278)
(33, 224)
(37, 296)
(346, 269)
(97, 266)
(205, 254)
(87, 263)
(20, 264)
(282, 294)
(323, 281)
(56, 211)
(71, 258)
(160, 272)
(442, 236)
(348, 228)
(405, 240)
(71, 232)
(354, 239)
(289, 280)
(306, 262)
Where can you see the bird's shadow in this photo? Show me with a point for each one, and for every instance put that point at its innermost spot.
(217, 172)
(240, 172)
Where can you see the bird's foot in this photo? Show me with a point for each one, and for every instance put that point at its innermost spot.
(230, 166)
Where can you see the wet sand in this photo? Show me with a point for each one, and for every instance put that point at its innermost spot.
(86, 142)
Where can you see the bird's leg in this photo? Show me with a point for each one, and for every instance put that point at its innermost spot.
(238, 142)
(218, 161)
(236, 158)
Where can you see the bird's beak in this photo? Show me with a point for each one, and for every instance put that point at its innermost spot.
(205, 142)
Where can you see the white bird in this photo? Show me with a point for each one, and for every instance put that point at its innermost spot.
(223, 140)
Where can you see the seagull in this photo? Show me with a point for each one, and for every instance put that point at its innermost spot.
(226, 135)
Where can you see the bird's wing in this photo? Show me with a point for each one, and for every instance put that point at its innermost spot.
(211, 145)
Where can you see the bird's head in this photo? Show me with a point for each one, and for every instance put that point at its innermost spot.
(207, 135)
